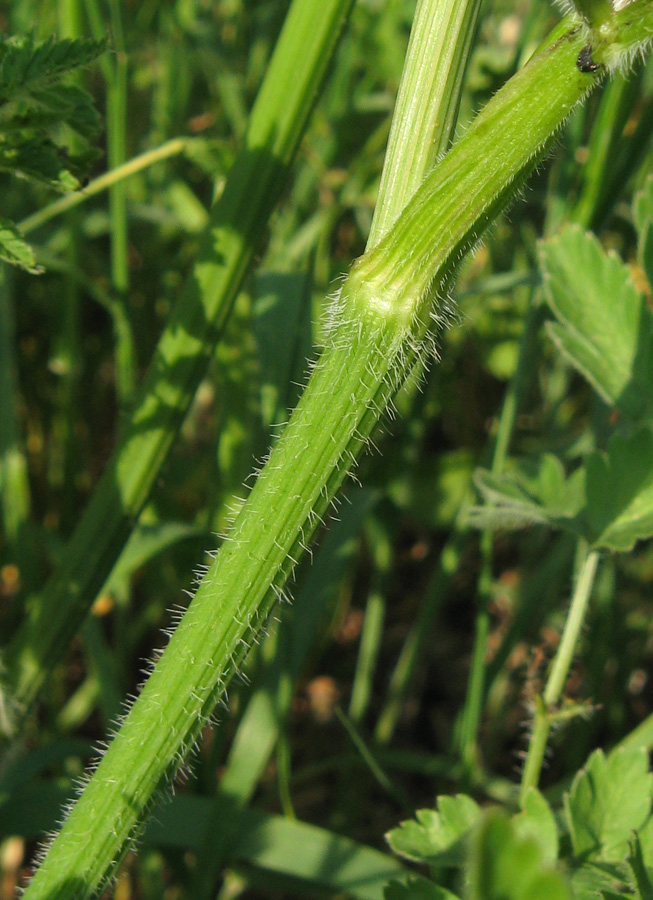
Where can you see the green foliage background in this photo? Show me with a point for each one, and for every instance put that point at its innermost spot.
(399, 578)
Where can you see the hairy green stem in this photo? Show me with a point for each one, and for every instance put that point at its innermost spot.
(545, 706)
(427, 103)
(379, 325)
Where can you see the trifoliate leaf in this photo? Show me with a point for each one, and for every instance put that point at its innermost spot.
(504, 865)
(436, 836)
(537, 821)
(604, 327)
(15, 250)
(619, 491)
(532, 493)
(608, 801)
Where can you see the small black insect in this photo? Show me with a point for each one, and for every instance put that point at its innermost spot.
(585, 62)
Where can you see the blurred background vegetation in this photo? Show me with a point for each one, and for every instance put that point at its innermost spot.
(399, 576)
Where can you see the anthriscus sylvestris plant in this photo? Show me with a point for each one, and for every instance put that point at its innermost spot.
(383, 319)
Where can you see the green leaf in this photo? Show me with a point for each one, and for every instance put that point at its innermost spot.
(504, 865)
(15, 250)
(535, 492)
(619, 489)
(604, 327)
(38, 159)
(436, 836)
(24, 63)
(416, 889)
(536, 821)
(608, 801)
(642, 874)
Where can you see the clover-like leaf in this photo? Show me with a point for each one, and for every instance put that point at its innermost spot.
(603, 324)
(609, 800)
(436, 836)
(532, 493)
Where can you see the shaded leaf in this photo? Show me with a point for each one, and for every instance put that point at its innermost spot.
(602, 881)
(619, 489)
(533, 493)
(25, 63)
(416, 889)
(604, 327)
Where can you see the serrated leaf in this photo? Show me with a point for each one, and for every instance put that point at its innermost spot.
(24, 63)
(619, 491)
(416, 889)
(38, 159)
(534, 492)
(504, 865)
(436, 836)
(608, 801)
(15, 250)
(536, 821)
(604, 327)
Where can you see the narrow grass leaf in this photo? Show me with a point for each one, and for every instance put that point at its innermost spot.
(643, 208)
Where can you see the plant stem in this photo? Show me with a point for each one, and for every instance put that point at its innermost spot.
(103, 183)
(427, 104)
(378, 328)
(544, 712)
(471, 716)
